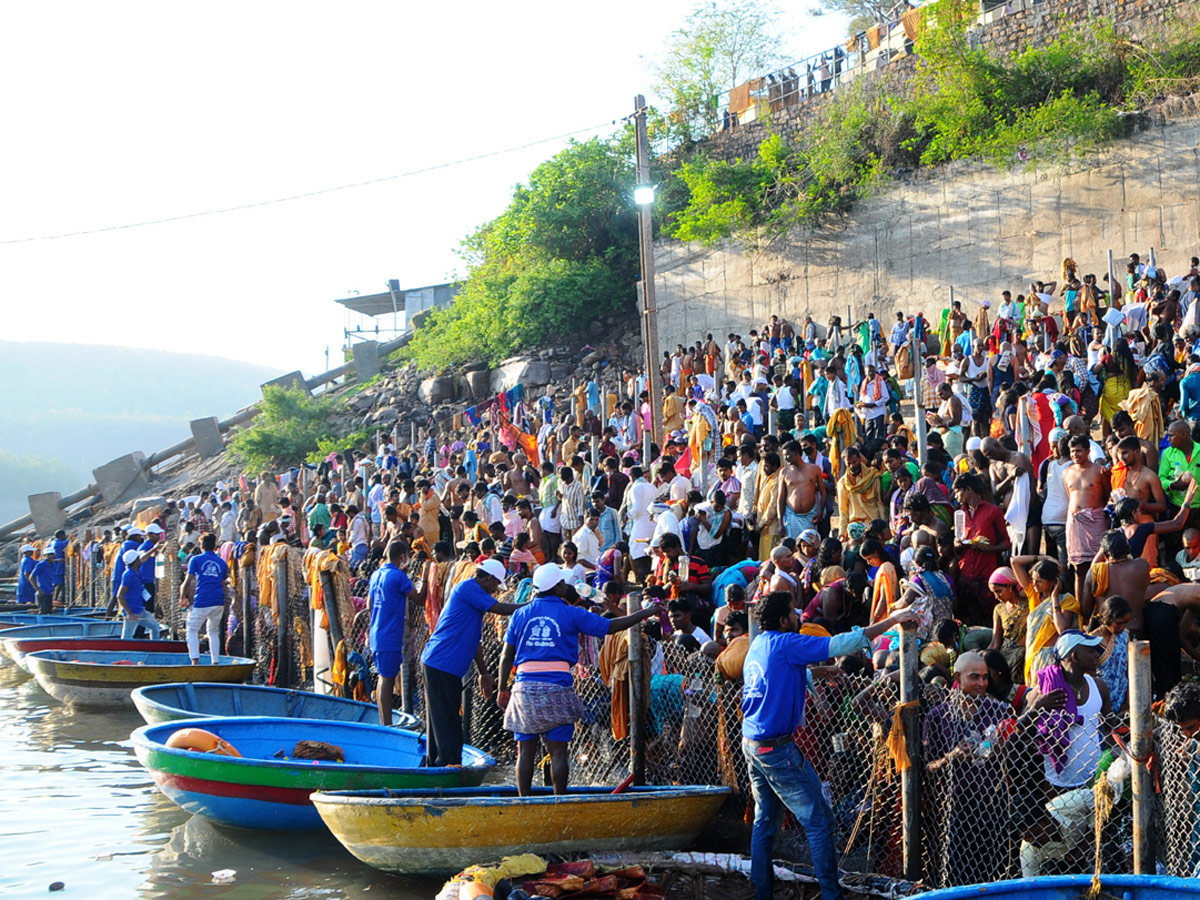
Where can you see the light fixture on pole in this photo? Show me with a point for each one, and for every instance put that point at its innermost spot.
(643, 197)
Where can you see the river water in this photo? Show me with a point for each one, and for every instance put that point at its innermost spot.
(76, 807)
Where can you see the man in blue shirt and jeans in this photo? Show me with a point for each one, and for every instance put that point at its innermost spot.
(775, 682)
(448, 654)
(388, 592)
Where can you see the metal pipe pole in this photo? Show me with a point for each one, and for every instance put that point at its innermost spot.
(1112, 275)
(646, 243)
(910, 778)
(1141, 746)
(918, 404)
(637, 698)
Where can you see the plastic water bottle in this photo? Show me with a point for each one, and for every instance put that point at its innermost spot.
(960, 524)
(987, 745)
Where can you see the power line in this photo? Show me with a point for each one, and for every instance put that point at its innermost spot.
(306, 195)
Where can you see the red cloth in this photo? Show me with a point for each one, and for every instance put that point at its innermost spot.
(987, 523)
(1045, 414)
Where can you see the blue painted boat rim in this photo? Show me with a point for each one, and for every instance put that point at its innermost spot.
(485, 796)
(153, 737)
(146, 694)
(1066, 883)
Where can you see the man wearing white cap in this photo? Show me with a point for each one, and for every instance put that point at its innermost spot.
(448, 654)
(1066, 707)
(542, 641)
(132, 541)
(132, 595)
(146, 568)
(25, 589)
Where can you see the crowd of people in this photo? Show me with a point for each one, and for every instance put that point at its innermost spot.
(1047, 514)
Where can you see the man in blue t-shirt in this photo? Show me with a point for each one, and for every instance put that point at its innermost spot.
(542, 641)
(775, 680)
(448, 654)
(26, 593)
(388, 592)
(146, 568)
(58, 548)
(206, 588)
(133, 536)
(131, 595)
(41, 579)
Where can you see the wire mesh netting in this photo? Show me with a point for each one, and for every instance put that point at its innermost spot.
(1177, 815)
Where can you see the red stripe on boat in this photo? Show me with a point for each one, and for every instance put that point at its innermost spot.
(293, 796)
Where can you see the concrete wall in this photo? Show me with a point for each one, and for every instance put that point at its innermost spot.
(977, 230)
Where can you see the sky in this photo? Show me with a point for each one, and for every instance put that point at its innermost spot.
(124, 112)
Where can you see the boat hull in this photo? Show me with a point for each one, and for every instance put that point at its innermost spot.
(58, 630)
(20, 620)
(17, 650)
(264, 792)
(98, 678)
(172, 702)
(435, 833)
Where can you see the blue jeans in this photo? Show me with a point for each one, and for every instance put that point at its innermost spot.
(145, 619)
(781, 777)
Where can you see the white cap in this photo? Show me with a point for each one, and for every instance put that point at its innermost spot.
(129, 556)
(277, 537)
(154, 528)
(547, 577)
(28, 548)
(134, 529)
(492, 567)
(974, 443)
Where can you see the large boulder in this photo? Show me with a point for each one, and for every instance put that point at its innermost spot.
(529, 372)
(439, 389)
(479, 384)
(385, 416)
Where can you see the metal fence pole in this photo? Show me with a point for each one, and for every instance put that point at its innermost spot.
(248, 573)
(637, 699)
(1141, 746)
(918, 363)
(910, 778)
(282, 657)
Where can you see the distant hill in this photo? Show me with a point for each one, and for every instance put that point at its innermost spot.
(68, 408)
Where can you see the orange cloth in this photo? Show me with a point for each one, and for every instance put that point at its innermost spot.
(732, 659)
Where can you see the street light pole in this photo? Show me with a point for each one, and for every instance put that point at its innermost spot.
(644, 197)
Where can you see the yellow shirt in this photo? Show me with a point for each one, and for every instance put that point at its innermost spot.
(863, 505)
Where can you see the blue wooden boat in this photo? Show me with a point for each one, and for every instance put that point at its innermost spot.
(106, 677)
(86, 612)
(60, 629)
(265, 788)
(1070, 887)
(17, 620)
(18, 649)
(171, 702)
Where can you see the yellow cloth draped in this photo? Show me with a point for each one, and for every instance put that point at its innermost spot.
(1040, 631)
(896, 744)
(840, 429)
(266, 577)
(698, 430)
(885, 592)
(1146, 410)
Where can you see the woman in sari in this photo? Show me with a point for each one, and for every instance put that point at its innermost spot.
(1051, 612)
(1114, 614)
(885, 582)
(929, 593)
(1120, 373)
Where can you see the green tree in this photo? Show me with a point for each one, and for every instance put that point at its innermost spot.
(721, 45)
(290, 426)
(563, 253)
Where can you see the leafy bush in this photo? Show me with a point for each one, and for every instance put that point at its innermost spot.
(564, 252)
(289, 427)
(328, 445)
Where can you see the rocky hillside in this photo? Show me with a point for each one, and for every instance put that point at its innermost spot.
(400, 397)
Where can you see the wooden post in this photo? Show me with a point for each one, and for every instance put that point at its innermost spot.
(248, 573)
(910, 779)
(1141, 746)
(1112, 276)
(594, 459)
(647, 440)
(335, 624)
(283, 662)
(637, 698)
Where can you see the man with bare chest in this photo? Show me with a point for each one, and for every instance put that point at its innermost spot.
(518, 481)
(1086, 519)
(801, 492)
(1142, 484)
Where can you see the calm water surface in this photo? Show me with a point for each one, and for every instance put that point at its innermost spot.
(76, 807)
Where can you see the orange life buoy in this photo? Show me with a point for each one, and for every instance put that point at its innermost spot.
(202, 741)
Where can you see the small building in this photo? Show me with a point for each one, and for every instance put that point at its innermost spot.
(393, 313)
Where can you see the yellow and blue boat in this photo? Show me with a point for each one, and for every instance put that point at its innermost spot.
(439, 832)
(106, 677)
